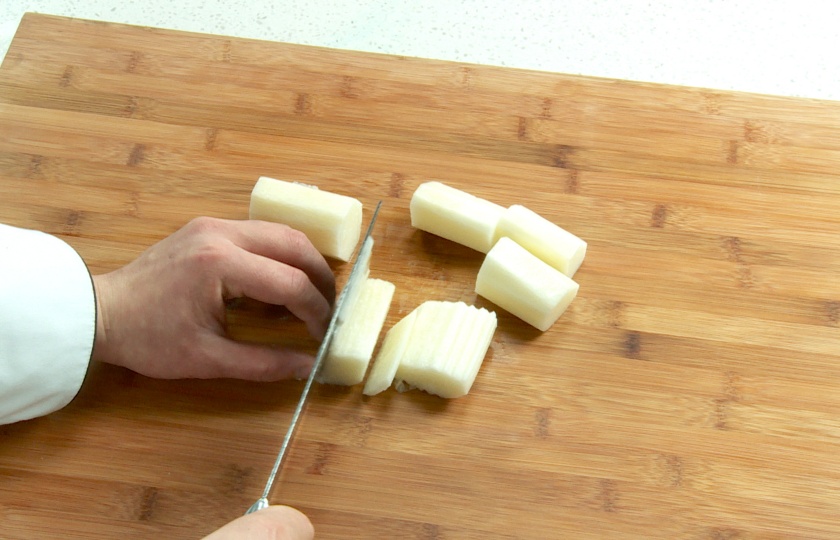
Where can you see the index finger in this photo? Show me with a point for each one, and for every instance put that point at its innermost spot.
(273, 282)
(289, 246)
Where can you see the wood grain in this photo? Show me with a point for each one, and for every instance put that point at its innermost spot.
(690, 392)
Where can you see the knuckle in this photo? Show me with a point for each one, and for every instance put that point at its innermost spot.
(297, 282)
(210, 254)
(195, 363)
(203, 224)
(297, 240)
(265, 372)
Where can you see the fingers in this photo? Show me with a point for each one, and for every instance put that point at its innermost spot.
(272, 282)
(297, 525)
(191, 273)
(237, 360)
(289, 246)
(272, 523)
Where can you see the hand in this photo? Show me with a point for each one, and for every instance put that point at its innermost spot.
(163, 314)
(272, 523)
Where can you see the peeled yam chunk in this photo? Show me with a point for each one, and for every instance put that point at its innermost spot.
(455, 215)
(447, 347)
(332, 222)
(548, 241)
(393, 347)
(518, 281)
(439, 347)
(356, 336)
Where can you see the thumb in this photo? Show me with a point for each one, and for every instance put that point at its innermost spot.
(272, 523)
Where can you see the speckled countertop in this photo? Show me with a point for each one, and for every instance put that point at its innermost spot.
(767, 46)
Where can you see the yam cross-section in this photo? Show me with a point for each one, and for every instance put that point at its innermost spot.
(690, 391)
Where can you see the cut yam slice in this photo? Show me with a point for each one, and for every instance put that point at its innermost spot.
(393, 347)
(439, 347)
(357, 333)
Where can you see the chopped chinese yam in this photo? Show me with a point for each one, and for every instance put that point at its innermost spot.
(356, 336)
(455, 215)
(548, 241)
(332, 222)
(388, 360)
(516, 280)
(439, 347)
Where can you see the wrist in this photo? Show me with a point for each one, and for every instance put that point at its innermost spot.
(100, 340)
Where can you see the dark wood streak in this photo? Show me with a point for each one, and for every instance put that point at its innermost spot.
(732, 154)
(573, 182)
(67, 77)
(832, 311)
(522, 129)
(431, 531)
(137, 155)
(397, 185)
(608, 496)
(323, 456)
(35, 164)
(674, 465)
(148, 502)
(659, 216)
(72, 222)
(133, 61)
(236, 479)
(227, 47)
(732, 244)
(210, 139)
(633, 345)
(545, 112)
(542, 419)
(348, 89)
(303, 105)
(561, 156)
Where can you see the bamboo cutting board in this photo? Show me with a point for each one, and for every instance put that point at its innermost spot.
(690, 392)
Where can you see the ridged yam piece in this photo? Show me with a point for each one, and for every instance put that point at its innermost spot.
(439, 347)
(355, 338)
(545, 239)
(455, 215)
(519, 282)
(388, 360)
(332, 222)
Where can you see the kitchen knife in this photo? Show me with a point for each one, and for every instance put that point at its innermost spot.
(357, 274)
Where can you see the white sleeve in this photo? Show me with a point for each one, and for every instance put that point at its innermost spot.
(47, 323)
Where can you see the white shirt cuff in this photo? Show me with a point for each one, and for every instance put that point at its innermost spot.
(47, 323)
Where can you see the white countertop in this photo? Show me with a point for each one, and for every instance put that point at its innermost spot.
(766, 46)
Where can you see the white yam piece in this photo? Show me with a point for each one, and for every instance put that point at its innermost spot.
(518, 281)
(548, 241)
(455, 215)
(332, 222)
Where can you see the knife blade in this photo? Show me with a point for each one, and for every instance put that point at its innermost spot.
(356, 274)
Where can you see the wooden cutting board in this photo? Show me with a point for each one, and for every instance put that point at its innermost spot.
(692, 390)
